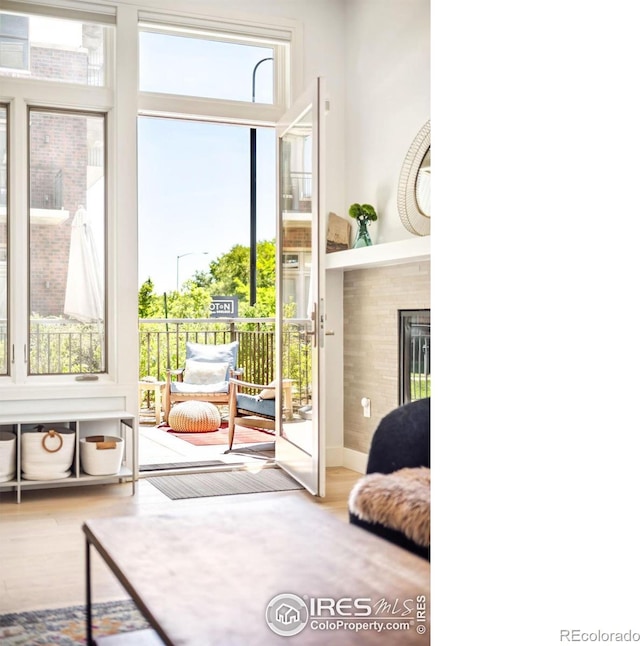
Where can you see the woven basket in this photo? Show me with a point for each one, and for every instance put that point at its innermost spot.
(47, 451)
(7, 455)
(194, 417)
(101, 455)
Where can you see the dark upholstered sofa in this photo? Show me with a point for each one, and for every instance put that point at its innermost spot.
(401, 441)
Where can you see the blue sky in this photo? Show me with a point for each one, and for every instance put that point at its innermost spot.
(193, 178)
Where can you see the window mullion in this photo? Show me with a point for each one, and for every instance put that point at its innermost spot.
(17, 219)
(60, 95)
(165, 105)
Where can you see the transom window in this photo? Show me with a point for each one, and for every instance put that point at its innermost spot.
(52, 49)
(191, 64)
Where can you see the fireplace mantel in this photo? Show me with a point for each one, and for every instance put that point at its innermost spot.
(417, 249)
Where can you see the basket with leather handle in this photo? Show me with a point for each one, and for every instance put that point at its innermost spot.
(47, 452)
(101, 455)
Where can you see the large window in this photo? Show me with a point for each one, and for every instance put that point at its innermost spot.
(53, 190)
(208, 95)
(206, 161)
(66, 242)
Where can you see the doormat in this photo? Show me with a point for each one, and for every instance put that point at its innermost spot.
(67, 626)
(165, 466)
(221, 436)
(223, 483)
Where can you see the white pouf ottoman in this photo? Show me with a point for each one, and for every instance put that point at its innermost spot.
(194, 417)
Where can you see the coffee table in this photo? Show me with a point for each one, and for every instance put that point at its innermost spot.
(208, 578)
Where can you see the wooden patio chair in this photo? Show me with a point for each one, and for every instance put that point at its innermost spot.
(256, 410)
(205, 377)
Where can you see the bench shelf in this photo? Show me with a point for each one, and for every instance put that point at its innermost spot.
(112, 423)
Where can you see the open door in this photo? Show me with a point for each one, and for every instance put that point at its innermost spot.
(299, 429)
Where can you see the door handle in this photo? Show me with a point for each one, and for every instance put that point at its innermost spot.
(313, 331)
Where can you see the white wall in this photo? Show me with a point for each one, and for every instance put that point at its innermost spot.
(387, 101)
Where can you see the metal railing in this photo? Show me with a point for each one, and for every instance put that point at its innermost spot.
(58, 346)
(162, 347)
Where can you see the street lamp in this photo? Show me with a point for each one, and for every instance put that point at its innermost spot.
(182, 255)
(253, 227)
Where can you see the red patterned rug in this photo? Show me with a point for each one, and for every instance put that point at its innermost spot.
(221, 436)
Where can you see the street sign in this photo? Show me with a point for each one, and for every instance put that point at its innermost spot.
(223, 307)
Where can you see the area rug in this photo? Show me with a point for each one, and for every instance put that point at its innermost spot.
(221, 436)
(223, 483)
(67, 626)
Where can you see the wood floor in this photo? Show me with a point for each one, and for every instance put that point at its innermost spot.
(42, 544)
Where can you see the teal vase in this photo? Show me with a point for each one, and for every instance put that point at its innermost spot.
(362, 237)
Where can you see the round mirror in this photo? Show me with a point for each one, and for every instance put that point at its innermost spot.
(414, 188)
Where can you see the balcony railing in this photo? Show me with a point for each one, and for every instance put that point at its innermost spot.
(162, 346)
(58, 346)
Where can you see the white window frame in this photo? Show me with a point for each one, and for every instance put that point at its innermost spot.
(21, 94)
(282, 37)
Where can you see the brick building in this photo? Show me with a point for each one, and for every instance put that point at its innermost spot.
(64, 159)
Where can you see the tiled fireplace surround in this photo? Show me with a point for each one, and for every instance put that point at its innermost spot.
(372, 299)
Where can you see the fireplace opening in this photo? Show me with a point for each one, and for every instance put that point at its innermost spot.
(415, 355)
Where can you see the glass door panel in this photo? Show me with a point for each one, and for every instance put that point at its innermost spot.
(298, 441)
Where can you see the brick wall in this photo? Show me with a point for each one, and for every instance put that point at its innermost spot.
(58, 173)
(296, 237)
(372, 299)
(59, 64)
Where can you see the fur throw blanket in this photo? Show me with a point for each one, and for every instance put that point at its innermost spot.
(400, 500)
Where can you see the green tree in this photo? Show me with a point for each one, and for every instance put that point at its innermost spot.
(228, 275)
(191, 303)
(148, 302)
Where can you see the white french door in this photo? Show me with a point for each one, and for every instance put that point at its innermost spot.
(300, 433)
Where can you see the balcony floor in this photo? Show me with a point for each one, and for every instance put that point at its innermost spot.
(156, 446)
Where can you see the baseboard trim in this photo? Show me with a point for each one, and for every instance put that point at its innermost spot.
(355, 460)
(333, 456)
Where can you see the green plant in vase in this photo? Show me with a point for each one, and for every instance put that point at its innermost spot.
(363, 213)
